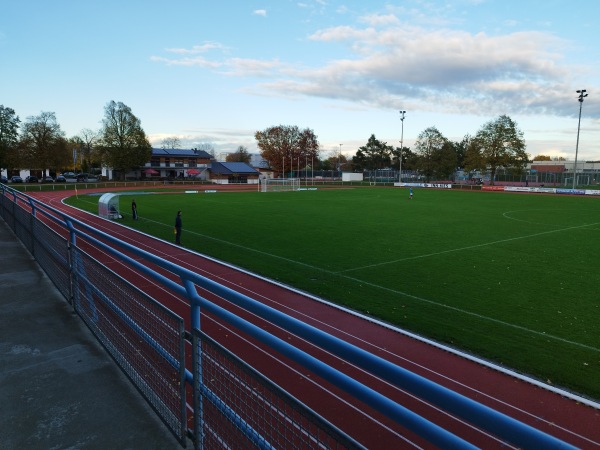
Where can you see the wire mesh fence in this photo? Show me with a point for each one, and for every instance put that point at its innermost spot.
(24, 230)
(240, 408)
(243, 409)
(52, 253)
(233, 405)
(144, 338)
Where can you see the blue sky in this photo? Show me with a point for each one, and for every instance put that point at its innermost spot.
(216, 72)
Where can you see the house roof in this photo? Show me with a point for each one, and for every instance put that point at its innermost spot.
(548, 168)
(180, 152)
(228, 168)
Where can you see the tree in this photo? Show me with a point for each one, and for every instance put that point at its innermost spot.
(542, 158)
(334, 161)
(405, 155)
(9, 135)
(286, 146)
(171, 143)
(241, 155)
(445, 161)
(123, 142)
(374, 155)
(91, 155)
(473, 157)
(502, 145)
(432, 152)
(42, 144)
(461, 150)
(208, 148)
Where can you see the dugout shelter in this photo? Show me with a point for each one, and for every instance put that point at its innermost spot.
(108, 206)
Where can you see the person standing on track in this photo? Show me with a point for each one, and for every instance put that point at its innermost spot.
(178, 226)
(134, 210)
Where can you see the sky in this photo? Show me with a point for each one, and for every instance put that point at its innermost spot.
(216, 72)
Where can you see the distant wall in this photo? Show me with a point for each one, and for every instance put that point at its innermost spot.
(350, 176)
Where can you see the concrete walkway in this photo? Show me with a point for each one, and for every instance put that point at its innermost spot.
(59, 389)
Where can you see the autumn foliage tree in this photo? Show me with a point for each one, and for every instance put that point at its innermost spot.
(123, 142)
(435, 156)
(285, 146)
(240, 155)
(473, 160)
(501, 144)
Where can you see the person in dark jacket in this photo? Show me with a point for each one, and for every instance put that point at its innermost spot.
(178, 228)
(134, 210)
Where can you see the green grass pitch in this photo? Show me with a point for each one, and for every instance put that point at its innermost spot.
(513, 278)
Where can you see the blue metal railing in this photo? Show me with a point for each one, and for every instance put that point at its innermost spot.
(498, 424)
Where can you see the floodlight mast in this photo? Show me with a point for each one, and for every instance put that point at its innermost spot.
(582, 95)
(401, 144)
(339, 168)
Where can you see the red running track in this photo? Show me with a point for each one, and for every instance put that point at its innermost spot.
(553, 412)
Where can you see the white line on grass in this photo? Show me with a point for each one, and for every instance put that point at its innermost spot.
(243, 247)
(470, 247)
(507, 215)
(479, 316)
(414, 297)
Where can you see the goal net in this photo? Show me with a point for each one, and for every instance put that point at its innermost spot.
(280, 184)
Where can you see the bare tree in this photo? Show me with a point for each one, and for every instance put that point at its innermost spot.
(171, 143)
(88, 139)
(208, 148)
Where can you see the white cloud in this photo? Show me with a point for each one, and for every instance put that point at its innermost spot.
(390, 64)
(253, 67)
(187, 61)
(380, 20)
(444, 70)
(260, 12)
(207, 46)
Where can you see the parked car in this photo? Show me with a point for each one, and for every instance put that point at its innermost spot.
(60, 179)
(16, 179)
(69, 174)
(48, 179)
(3, 179)
(31, 179)
(82, 177)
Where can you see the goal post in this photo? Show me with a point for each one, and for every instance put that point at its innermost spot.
(280, 184)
